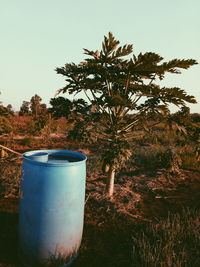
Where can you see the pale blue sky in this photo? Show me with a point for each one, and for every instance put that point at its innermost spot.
(39, 35)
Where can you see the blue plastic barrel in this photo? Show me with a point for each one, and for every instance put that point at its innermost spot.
(51, 206)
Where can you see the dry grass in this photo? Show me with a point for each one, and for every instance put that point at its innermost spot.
(174, 241)
(10, 179)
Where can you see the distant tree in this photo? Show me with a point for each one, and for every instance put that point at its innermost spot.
(6, 114)
(25, 109)
(10, 109)
(6, 111)
(63, 107)
(123, 95)
(35, 105)
(43, 108)
(60, 107)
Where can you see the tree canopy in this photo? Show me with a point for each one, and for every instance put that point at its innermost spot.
(123, 92)
(63, 107)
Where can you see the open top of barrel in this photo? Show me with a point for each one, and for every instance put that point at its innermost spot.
(54, 157)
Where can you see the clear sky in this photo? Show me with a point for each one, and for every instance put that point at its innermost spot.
(36, 36)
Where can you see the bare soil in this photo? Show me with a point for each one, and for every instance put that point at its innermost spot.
(140, 197)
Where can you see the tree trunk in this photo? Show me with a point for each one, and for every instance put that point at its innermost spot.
(110, 183)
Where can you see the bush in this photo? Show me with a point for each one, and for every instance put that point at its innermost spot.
(190, 159)
(28, 141)
(5, 125)
(21, 124)
(42, 125)
(152, 158)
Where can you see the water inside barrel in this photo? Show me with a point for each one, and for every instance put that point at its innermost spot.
(61, 159)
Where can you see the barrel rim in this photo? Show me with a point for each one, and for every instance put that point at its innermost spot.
(80, 155)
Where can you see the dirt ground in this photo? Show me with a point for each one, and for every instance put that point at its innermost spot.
(110, 224)
(140, 197)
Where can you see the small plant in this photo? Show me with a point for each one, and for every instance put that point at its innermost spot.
(50, 127)
(3, 154)
(5, 125)
(37, 124)
(28, 141)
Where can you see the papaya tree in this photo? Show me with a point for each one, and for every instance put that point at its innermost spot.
(124, 93)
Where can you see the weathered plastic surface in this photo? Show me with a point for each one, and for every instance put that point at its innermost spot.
(51, 205)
